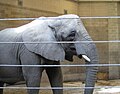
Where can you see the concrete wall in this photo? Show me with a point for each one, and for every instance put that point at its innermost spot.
(113, 47)
(57, 6)
(119, 30)
(11, 2)
(11, 11)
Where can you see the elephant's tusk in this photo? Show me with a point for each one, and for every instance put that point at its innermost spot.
(86, 58)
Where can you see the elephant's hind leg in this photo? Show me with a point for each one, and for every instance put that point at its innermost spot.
(1, 85)
(55, 78)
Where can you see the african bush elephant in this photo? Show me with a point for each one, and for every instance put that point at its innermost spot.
(29, 51)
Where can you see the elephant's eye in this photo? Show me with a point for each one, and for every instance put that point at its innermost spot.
(72, 33)
(71, 36)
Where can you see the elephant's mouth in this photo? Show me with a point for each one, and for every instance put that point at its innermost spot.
(80, 56)
(71, 51)
(69, 55)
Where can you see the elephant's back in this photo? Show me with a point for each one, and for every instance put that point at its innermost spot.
(8, 35)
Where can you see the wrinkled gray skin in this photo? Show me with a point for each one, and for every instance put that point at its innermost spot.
(45, 30)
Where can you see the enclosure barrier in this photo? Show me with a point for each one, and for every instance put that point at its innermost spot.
(99, 17)
(72, 65)
(65, 88)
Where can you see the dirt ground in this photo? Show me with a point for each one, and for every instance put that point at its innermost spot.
(112, 90)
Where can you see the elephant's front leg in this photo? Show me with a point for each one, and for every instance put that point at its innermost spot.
(55, 78)
(32, 75)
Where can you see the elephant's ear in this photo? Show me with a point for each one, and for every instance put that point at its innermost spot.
(51, 51)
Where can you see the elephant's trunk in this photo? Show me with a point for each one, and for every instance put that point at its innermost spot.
(89, 49)
(91, 71)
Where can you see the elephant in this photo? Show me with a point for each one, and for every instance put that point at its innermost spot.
(46, 41)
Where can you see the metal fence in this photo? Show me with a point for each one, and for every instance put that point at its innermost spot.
(72, 65)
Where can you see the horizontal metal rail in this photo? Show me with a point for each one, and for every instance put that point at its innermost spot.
(73, 65)
(50, 18)
(64, 88)
(101, 17)
(49, 42)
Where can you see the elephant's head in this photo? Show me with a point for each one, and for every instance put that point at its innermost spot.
(63, 28)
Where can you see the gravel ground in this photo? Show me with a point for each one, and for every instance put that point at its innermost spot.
(112, 90)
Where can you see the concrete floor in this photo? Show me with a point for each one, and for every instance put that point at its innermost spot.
(112, 90)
